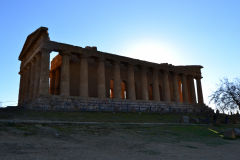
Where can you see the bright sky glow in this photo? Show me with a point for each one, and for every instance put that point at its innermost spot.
(180, 32)
(153, 51)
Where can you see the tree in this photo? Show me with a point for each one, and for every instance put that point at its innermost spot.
(227, 96)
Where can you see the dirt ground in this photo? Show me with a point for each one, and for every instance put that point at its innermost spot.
(35, 142)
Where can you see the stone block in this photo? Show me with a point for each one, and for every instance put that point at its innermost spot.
(229, 134)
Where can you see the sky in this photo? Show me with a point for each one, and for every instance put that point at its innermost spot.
(179, 32)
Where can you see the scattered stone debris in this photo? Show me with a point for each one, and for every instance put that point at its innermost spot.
(237, 132)
(229, 134)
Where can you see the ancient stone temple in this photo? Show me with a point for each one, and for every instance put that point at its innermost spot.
(90, 80)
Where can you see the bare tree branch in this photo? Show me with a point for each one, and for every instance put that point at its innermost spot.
(227, 96)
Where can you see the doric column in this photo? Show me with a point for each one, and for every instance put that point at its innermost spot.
(20, 94)
(144, 83)
(131, 83)
(175, 88)
(26, 88)
(199, 90)
(32, 74)
(44, 73)
(166, 89)
(84, 76)
(184, 88)
(156, 95)
(192, 89)
(65, 76)
(37, 75)
(101, 89)
(117, 80)
(56, 81)
(52, 81)
(24, 84)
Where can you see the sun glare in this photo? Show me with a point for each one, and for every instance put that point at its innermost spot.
(153, 51)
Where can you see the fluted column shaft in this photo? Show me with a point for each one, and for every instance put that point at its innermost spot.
(65, 76)
(184, 89)
(33, 72)
(131, 83)
(101, 79)
(175, 88)
(20, 94)
(57, 81)
(166, 89)
(192, 90)
(44, 73)
(199, 91)
(26, 85)
(144, 83)
(156, 95)
(23, 85)
(37, 76)
(84, 77)
(117, 81)
(52, 81)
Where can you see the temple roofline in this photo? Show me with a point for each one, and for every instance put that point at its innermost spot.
(31, 38)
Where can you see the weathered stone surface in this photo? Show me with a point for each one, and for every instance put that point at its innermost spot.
(237, 132)
(95, 104)
(229, 134)
(87, 79)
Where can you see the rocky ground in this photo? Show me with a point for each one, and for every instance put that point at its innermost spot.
(113, 141)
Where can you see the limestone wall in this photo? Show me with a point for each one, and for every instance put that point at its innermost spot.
(85, 77)
(72, 103)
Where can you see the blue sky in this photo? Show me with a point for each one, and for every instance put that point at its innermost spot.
(181, 32)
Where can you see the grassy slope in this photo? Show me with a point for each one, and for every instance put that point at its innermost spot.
(147, 133)
(95, 116)
(156, 133)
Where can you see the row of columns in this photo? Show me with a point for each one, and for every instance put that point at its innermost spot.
(101, 88)
(34, 80)
(34, 77)
(29, 80)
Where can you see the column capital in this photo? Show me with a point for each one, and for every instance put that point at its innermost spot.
(84, 56)
(116, 62)
(101, 58)
(130, 64)
(183, 74)
(65, 53)
(175, 73)
(198, 77)
(164, 72)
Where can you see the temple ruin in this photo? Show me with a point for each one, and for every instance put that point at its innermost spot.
(90, 80)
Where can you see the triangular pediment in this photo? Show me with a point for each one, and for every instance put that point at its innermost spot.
(31, 39)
